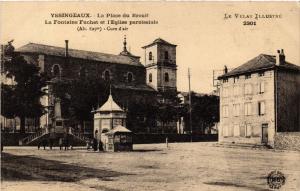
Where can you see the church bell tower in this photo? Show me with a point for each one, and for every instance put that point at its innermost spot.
(160, 63)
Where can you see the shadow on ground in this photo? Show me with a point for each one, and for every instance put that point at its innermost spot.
(145, 150)
(231, 184)
(29, 168)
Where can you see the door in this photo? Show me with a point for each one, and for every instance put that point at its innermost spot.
(264, 134)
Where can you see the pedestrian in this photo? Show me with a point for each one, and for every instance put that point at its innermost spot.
(39, 145)
(60, 143)
(71, 143)
(50, 143)
(66, 143)
(44, 143)
(100, 146)
(95, 144)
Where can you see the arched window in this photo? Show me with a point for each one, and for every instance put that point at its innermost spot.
(56, 70)
(150, 55)
(166, 77)
(166, 55)
(129, 77)
(150, 77)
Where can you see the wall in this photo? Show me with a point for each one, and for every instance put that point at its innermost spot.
(172, 77)
(153, 71)
(152, 49)
(171, 53)
(288, 141)
(253, 121)
(288, 101)
(95, 69)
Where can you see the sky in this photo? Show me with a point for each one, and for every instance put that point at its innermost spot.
(205, 40)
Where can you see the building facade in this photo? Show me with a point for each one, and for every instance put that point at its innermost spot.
(258, 100)
(124, 72)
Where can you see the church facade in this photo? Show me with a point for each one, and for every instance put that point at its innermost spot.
(124, 72)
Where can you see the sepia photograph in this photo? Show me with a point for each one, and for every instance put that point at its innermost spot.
(150, 96)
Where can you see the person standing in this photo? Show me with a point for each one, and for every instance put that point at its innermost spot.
(44, 143)
(60, 143)
(100, 146)
(95, 144)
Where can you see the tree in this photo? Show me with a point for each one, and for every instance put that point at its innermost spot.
(205, 112)
(79, 97)
(169, 109)
(22, 99)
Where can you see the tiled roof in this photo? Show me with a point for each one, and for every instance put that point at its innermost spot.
(261, 62)
(159, 41)
(82, 54)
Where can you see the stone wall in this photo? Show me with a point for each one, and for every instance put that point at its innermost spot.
(287, 141)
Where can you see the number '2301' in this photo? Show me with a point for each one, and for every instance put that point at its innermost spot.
(249, 23)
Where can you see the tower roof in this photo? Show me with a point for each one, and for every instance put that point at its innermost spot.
(159, 41)
(110, 105)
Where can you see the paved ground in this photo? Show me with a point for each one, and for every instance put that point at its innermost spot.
(182, 166)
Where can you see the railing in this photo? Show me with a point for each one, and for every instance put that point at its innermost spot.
(79, 136)
(32, 137)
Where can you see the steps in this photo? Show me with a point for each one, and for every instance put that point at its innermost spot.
(32, 139)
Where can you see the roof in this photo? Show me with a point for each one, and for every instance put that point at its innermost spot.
(82, 54)
(159, 41)
(119, 129)
(110, 105)
(261, 62)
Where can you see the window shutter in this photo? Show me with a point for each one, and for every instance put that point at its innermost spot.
(262, 87)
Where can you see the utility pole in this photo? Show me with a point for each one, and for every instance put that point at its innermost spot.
(190, 105)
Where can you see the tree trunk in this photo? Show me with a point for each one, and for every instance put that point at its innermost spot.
(22, 125)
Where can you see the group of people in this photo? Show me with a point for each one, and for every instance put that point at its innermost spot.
(63, 143)
(94, 144)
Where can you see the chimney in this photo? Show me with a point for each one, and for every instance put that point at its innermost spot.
(67, 48)
(280, 58)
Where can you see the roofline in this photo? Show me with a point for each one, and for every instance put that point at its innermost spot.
(246, 72)
(135, 65)
(70, 49)
(153, 43)
(275, 67)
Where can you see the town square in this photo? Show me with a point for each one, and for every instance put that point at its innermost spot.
(111, 96)
(180, 166)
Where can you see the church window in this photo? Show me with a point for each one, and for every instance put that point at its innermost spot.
(150, 55)
(166, 77)
(150, 77)
(107, 75)
(56, 70)
(166, 55)
(129, 77)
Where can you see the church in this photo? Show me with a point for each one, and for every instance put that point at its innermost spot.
(129, 79)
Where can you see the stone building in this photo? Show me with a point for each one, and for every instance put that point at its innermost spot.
(260, 102)
(129, 78)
